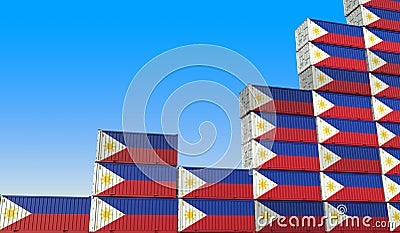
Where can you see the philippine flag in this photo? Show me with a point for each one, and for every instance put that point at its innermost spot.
(388, 134)
(382, 40)
(383, 62)
(352, 187)
(352, 107)
(385, 86)
(286, 185)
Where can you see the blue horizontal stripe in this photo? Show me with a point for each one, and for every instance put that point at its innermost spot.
(355, 152)
(385, 14)
(392, 103)
(143, 206)
(342, 52)
(142, 171)
(292, 178)
(357, 180)
(142, 140)
(393, 58)
(386, 35)
(52, 205)
(289, 121)
(341, 29)
(363, 209)
(294, 95)
(394, 128)
(291, 148)
(295, 208)
(224, 176)
(223, 207)
(366, 127)
(392, 81)
(347, 100)
(346, 75)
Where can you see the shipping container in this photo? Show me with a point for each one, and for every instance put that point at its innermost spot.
(335, 158)
(140, 148)
(351, 5)
(382, 40)
(268, 126)
(346, 132)
(383, 62)
(390, 161)
(386, 110)
(133, 180)
(28, 214)
(391, 186)
(335, 80)
(388, 135)
(375, 18)
(289, 216)
(356, 217)
(214, 183)
(385, 86)
(286, 185)
(147, 215)
(343, 106)
(394, 214)
(331, 56)
(206, 215)
(272, 99)
(266, 154)
(328, 33)
(355, 187)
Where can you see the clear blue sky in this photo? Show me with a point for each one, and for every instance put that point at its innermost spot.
(65, 67)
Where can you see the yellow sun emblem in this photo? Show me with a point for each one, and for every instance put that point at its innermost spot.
(106, 179)
(106, 214)
(11, 213)
(331, 186)
(190, 215)
(326, 130)
(263, 185)
(190, 183)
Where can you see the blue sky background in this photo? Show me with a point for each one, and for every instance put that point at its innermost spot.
(65, 67)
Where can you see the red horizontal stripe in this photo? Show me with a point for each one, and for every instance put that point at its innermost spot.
(285, 192)
(288, 107)
(341, 40)
(143, 223)
(390, 25)
(357, 166)
(354, 139)
(290, 135)
(51, 223)
(350, 113)
(390, 92)
(283, 162)
(392, 69)
(223, 224)
(344, 87)
(344, 63)
(223, 191)
(394, 143)
(387, 46)
(142, 188)
(359, 194)
(393, 117)
(144, 156)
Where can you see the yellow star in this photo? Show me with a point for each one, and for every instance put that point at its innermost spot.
(326, 130)
(369, 16)
(11, 213)
(321, 78)
(106, 179)
(392, 188)
(260, 126)
(190, 183)
(110, 146)
(396, 217)
(318, 55)
(375, 61)
(106, 214)
(381, 109)
(316, 31)
(263, 184)
(331, 186)
(328, 157)
(389, 161)
(190, 215)
(384, 135)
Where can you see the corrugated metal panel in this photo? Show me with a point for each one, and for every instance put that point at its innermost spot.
(331, 56)
(350, 159)
(266, 126)
(342, 106)
(375, 18)
(214, 183)
(388, 135)
(328, 33)
(286, 185)
(383, 62)
(351, 5)
(111, 214)
(273, 99)
(347, 132)
(131, 180)
(335, 80)
(382, 40)
(141, 148)
(44, 214)
(268, 212)
(386, 110)
(377, 212)
(385, 86)
(267, 154)
(352, 187)
(196, 215)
